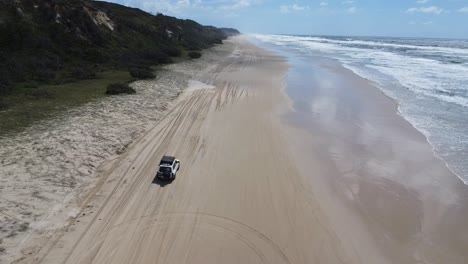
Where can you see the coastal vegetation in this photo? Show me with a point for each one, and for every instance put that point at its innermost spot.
(142, 73)
(22, 109)
(61, 41)
(119, 88)
(194, 54)
(51, 49)
(230, 31)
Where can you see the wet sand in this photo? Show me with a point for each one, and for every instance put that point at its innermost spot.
(374, 172)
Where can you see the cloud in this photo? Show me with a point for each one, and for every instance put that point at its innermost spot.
(323, 3)
(181, 7)
(422, 1)
(426, 23)
(428, 10)
(183, 3)
(463, 9)
(236, 5)
(351, 10)
(348, 2)
(292, 8)
(163, 6)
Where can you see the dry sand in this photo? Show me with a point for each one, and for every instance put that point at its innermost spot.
(262, 182)
(47, 171)
(237, 199)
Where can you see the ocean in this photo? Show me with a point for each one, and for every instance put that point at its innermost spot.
(428, 79)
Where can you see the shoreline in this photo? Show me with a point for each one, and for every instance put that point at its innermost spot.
(398, 112)
(397, 107)
(346, 184)
(429, 91)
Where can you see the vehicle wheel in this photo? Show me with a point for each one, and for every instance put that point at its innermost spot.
(173, 177)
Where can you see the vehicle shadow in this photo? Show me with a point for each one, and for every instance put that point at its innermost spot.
(160, 182)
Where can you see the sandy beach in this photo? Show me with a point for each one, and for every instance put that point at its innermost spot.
(283, 161)
(237, 199)
(49, 170)
(373, 172)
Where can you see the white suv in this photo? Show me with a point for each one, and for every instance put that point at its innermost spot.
(168, 168)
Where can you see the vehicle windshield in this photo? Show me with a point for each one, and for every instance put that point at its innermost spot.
(165, 169)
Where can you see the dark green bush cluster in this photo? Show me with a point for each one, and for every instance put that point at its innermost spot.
(31, 84)
(83, 73)
(144, 58)
(194, 54)
(5, 82)
(173, 51)
(3, 104)
(40, 93)
(44, 66)
(141, 73)
(119, 88)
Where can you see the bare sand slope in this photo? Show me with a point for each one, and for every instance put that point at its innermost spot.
(237, 199)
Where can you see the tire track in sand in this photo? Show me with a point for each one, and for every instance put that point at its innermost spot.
(265, 248)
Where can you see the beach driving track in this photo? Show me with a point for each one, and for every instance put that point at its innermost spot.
(230, 202)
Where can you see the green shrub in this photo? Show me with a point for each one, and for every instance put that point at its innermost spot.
(140, 73)
(194, 54)
(144, 58)
(40, 93)
(44, 66)
(44, 75)
(31, 85)
(173, 51)
(119, 88)
(94, 55)
(83, 73)
(5, 83)
(3, 104)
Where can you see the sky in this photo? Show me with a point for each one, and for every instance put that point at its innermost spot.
(397, 18)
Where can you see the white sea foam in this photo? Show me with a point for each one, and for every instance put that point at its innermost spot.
(424, 76)
(283, 39)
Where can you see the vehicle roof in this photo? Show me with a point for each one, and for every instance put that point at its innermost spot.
(167, 160)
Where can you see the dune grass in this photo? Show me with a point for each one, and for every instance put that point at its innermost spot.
(31, 104)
